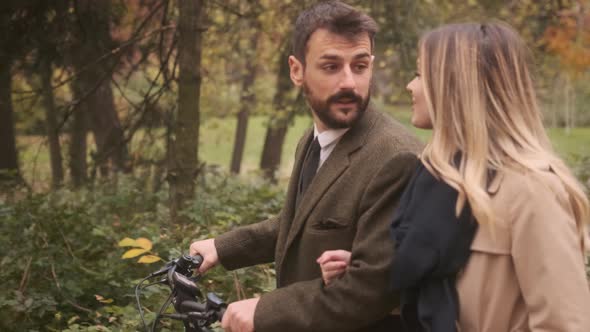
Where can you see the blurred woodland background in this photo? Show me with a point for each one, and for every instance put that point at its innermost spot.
(175, 120)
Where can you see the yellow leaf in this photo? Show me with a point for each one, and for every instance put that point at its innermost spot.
(133, 253)
(148, 259)
(127, 242)
(144, 243)
(101, 299)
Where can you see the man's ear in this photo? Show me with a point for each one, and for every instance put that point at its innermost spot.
(296, 68)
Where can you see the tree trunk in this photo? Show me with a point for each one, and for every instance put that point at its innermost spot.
(95, 41)
(107, 130)
(273, 147)
(57, 173)
(247, 100)
(280, 120)
(78, 145)
(183, 154)
(8, 156)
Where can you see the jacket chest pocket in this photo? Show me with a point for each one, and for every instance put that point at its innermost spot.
(327, 234)
(327, 226)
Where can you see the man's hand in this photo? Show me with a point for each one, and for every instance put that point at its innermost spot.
(205, 248)
(333, 264)
(239, 316)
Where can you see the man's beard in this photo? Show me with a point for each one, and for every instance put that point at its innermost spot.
(321, 108)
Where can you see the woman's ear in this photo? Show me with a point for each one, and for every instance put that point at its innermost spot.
(296, 68)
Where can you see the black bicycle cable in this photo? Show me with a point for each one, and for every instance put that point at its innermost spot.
(137, 294)
(138, 290)
(162, 309)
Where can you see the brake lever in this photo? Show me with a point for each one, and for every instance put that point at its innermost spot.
(215, 304)
(179, 277)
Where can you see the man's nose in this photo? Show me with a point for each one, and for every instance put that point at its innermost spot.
(347, 81)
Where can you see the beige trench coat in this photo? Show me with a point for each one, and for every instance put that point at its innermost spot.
(528, 274)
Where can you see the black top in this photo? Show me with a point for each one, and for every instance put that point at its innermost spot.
(431, 246)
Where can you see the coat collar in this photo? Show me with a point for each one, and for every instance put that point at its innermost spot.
(496, 183)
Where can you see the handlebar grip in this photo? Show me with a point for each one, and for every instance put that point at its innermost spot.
(198, 259)
(221, 313)
(192, 306)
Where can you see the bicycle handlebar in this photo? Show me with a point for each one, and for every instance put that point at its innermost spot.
(185, 296)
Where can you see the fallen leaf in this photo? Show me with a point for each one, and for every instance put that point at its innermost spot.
(144, 243)
(128, 242)
(133, 253)
(148, 259)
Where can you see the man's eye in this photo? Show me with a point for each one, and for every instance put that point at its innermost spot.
(329, 67)
(417, 74)
(360, 67)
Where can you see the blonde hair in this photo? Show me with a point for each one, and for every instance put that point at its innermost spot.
(480, 97)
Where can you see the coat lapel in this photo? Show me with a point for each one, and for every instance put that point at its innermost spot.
(328, 173)
(294, 180)
(293, 188)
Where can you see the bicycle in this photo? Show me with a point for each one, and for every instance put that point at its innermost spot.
(185, 295)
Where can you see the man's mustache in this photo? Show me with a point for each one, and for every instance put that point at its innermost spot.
(349, 95)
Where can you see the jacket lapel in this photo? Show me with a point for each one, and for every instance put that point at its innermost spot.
(327, 174)
(293, 188)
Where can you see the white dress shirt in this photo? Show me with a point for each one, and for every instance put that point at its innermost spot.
(328, 140)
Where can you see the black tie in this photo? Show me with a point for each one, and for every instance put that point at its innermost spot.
(310, 166)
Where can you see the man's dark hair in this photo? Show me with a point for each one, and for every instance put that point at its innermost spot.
(334, 16)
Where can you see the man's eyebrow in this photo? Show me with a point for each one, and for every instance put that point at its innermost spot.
(337, 57)
(362, 55)
(330, 57)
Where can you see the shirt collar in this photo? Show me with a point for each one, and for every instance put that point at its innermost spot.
(328, 137)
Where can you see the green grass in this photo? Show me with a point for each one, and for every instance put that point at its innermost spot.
(217, 139)
(576, 142)
(217, 136)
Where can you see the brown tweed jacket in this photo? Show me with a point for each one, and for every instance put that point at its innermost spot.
(348, 205)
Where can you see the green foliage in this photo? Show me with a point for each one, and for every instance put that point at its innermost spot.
(62, 267)
(216, 143)
(581, 169)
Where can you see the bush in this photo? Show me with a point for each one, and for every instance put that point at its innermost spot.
(62, 267)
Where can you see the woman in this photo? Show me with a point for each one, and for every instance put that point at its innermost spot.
(489, 235)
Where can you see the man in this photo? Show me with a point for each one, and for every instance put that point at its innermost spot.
(348, 174)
